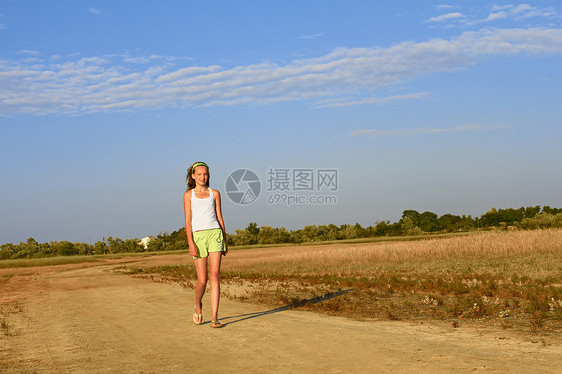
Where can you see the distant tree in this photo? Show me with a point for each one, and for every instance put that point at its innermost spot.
(323, 233)
(131, 245)
(29, 249)
(295, 236)
(428, 222)
(347, 232)
(360, 232)
(114, 244)
(408, 227)
(83, 249)
(509, 216)
(547, 209)
(466, 223)
(45, 250)
(253, 229)
(531, 211)
(157, 244)
(247, 236)
(543, 220)
(64, 248)
(449, 222)
(396, 229)
(310, 233)
(179, 235)
(382, 228)
(267, 235)
(100, 247)
(414, 215)
(283, 236)
(490, 218)
(243, 237)
(333, 232)
(7, 251)
(177, 240)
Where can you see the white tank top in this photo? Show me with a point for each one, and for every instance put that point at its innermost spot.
(203, 212)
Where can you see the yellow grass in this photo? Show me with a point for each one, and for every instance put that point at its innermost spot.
(483, 249)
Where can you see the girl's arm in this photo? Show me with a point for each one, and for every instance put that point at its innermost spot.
(218, 209)
(188, 227)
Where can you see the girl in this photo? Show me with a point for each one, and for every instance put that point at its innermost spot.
(206, 236)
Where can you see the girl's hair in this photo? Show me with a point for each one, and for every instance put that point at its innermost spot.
(190, 181)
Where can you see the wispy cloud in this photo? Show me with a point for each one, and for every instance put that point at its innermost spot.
(446, 17)
(94, 11)
(28, 52)
(345, 76)
(331, 103)
(445, 6)
(312, 36)
(526, 11)
(495, 16)
(495, 8)
(424, 131)
(504, 12)
(516, 12)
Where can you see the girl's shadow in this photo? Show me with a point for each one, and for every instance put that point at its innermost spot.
(293, 305)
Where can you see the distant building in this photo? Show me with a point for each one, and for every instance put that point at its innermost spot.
(144, 241)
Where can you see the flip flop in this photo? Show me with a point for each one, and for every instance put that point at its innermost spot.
(216, 324)
(197, 318)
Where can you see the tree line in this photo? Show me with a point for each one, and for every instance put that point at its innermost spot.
(412, 222)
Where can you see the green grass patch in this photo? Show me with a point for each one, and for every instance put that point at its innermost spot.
(63, 260)
(376, 239)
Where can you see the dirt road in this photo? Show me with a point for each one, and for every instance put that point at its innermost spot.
(90, 319)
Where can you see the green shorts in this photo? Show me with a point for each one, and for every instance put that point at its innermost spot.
(208, 241)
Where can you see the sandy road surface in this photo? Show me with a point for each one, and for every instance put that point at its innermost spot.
(89, 319)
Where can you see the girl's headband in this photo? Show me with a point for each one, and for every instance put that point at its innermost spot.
(199, 164)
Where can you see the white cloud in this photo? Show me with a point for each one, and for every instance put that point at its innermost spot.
(331, 103)
(514, 13)
(94, 11)
(423, 131)
(312, 36)
(496, 8)
(346, 76)
(495, 16)
(33, 60)
(527, 11)
(522, 8)
(446, 17)
(28, 52)
(136, 60)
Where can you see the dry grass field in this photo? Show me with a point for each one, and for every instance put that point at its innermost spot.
(510, 278)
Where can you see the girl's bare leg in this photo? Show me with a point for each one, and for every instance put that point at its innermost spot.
(201, 268)
(214, 275)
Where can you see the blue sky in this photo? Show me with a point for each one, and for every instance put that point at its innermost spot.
(451, 107)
